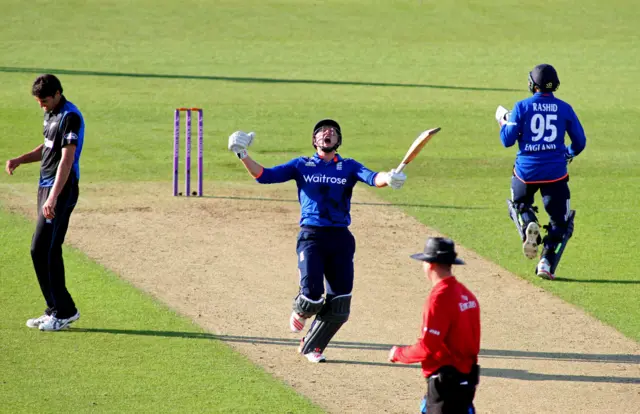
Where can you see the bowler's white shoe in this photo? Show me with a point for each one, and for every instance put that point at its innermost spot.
(56, 324)
(36, 322)
(315, 356)
(543, 270)
(530, 244)
(296, 322)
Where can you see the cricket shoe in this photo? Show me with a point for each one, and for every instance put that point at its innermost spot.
(296, 322)
(314, 356)
(36, 322)
(543, 270)
(56, 324)
(531, 240)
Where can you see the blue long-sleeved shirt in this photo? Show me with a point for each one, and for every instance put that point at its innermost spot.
(324, 187)
(539, 124)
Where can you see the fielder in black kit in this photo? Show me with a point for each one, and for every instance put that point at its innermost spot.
(57, 196)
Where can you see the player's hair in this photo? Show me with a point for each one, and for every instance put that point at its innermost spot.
(46, 85)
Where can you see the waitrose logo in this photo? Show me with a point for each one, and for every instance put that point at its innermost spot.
(324, 179)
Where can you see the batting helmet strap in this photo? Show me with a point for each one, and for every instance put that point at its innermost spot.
(544, 77)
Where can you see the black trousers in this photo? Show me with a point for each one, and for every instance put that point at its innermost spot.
(451, 392)
(46, 250)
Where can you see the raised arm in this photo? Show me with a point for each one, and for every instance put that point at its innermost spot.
(252, 166)
(381, 179)
(238, 143)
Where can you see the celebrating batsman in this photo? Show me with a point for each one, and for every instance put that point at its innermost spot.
(538, 124)
(325, 246)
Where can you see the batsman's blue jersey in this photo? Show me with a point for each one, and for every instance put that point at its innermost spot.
(324, 187)
(539, 124)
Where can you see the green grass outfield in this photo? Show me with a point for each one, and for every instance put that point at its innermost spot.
(139, 357)
(385, 71)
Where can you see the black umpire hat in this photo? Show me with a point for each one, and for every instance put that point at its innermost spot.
(439, 250)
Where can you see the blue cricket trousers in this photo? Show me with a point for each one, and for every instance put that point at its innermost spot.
(325, 253)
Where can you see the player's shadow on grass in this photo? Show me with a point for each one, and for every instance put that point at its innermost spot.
(369, 346)
(508, 373)
(12, 69)
(434, 206)
(620, 282)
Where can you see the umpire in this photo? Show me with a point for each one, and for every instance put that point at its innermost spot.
(449, 340)
(57, 196)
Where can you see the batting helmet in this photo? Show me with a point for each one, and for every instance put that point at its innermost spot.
(544, 77)
(327, 123)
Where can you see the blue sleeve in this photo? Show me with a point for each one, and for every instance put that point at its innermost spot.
(279, 173)
(576, 134)
(364, 174)
(512, 130)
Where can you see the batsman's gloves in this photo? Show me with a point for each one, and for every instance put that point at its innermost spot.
(396, 180)
(239, 141)
(502, 115)
(568, 157)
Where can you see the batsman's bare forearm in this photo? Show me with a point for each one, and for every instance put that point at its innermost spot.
(64, 168)
(381, 179)
(252, 166)
(32, 156)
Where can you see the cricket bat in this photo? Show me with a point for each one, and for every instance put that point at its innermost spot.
(416, 147)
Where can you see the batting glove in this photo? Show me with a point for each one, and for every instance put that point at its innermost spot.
(568, 157)
(502, 115)
(396, 180)
(239, 141)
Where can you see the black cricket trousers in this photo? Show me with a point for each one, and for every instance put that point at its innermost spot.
(46, 249)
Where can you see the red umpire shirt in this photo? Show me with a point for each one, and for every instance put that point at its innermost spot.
(450, 330)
